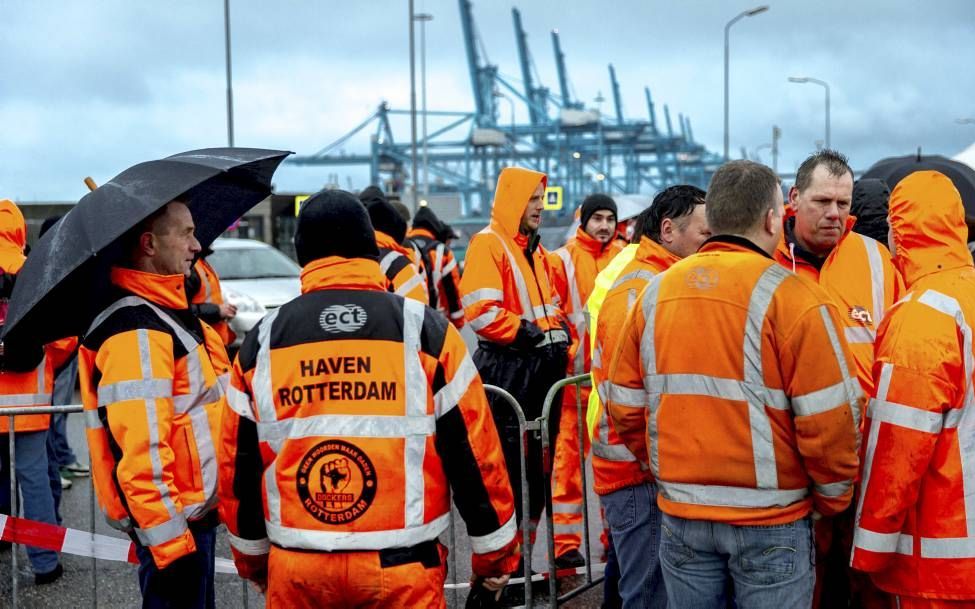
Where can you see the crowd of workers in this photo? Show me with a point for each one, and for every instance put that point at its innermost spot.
(780, 413)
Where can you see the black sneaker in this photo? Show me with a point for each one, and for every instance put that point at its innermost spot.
(573, 559)
(41, 579)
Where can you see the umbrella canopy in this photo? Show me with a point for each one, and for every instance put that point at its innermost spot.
(895, 169)
(56, 293)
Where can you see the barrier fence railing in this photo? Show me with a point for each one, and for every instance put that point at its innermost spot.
(524, 427)
(553, 400)
(537, 426)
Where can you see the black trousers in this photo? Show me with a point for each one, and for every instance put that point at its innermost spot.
(527, 375)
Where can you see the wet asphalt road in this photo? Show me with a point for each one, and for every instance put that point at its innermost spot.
(117, 585)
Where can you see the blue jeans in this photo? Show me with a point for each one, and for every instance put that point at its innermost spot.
(772, 567)
(634, 523)
(30, 451)
(57, 441)
(187, 583)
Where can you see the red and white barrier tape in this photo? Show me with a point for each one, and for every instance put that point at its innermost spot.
(104, 547)
(79, 543)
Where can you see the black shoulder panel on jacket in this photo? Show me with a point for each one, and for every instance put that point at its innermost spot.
(434, 333)
(247, 354)
(338, 315)
(399, 263)
(126, 319)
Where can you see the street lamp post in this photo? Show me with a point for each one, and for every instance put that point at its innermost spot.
(230, 88)
(824, 85)
(749, 13)
(423, 18)
(413, 105)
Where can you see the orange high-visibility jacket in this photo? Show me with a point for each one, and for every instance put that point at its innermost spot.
(574, 270)
(732, 372)
(21, 389)
(916, 515)
(863, 284)
(443, 275)
(613, 465)
(149, 384)
(402, 277)
(210, 293)
(351, 414)
(500, 287)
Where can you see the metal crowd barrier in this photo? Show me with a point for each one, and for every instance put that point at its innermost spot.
(548, 459)
(537, 426)
(524, 426)
(11, 414)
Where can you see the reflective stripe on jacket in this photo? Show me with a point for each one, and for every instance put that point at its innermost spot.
(613, 465)
(732, 372)
(916, 515)
(402, 278)
(443, 275)
(574, 270)
(863, 284)
(151, 391)
(500, 286)
(351, 414)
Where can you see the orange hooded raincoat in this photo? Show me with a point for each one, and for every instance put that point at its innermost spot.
(500, 287)
(915, 520)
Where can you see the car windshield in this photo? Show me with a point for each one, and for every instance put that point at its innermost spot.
(252, 263)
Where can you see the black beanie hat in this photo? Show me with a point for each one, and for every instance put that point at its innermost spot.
(594, 203)
(384, 216)
(334, 223)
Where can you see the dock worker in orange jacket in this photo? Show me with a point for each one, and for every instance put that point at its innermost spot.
(856, 272)
(733, 382)
(26, 379)
(675, 227)
(430, 236)
(151, 389)
(915, 522)
(206, 298)
(395, 260)
(351, 416)
(523, 337)
(574, 270)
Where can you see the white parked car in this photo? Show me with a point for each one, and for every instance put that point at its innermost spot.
(255, 278)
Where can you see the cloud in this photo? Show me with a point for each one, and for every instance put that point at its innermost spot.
(93, 87)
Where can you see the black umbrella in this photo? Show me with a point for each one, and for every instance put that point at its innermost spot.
(57, 291)
(895, 169)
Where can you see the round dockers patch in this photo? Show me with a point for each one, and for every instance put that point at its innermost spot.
(336, 482)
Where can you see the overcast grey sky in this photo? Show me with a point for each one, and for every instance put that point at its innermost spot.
(90, 88)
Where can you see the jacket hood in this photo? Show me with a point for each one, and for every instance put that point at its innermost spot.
(13, 237)
(382, 214)
(426, 219)
(515, 187)
(870, 201)
(928, 222)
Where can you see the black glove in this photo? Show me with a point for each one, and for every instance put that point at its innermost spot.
(481, 598)
(528, 336)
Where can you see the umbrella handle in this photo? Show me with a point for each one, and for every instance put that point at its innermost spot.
(90, 183)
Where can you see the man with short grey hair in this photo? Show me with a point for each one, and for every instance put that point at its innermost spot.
(857, 274)
(752, 428)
